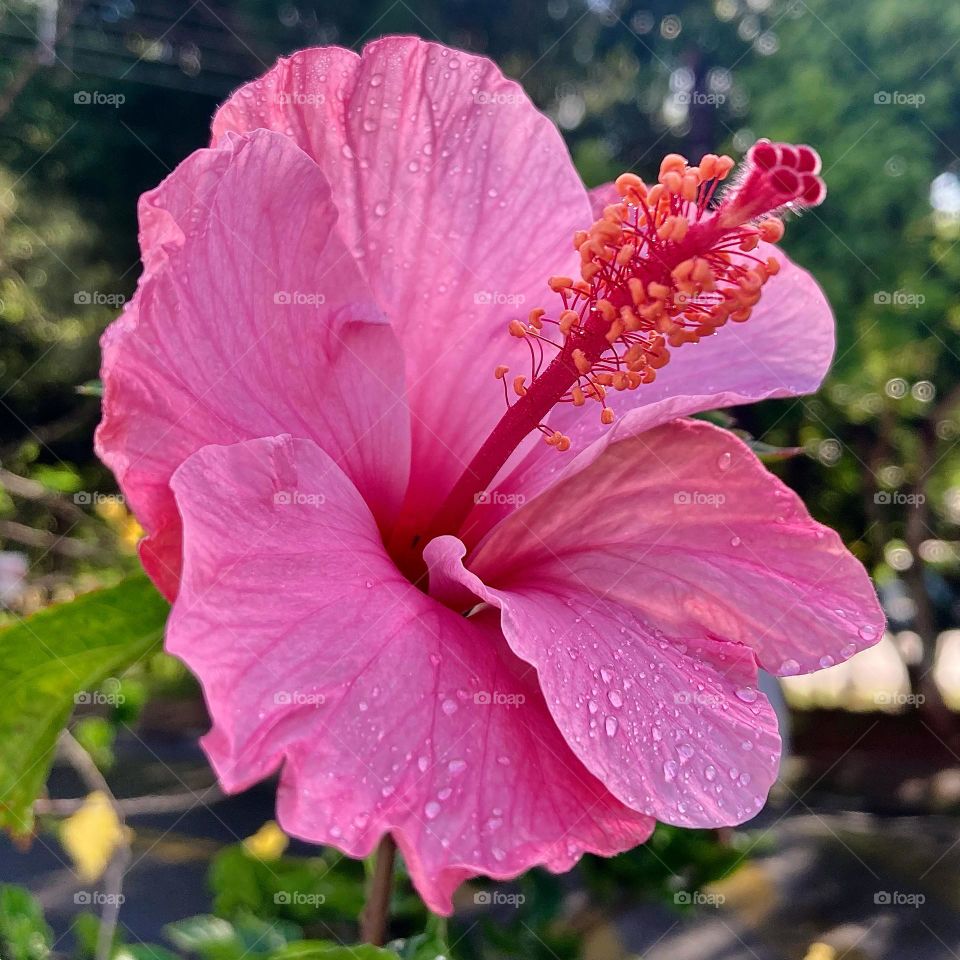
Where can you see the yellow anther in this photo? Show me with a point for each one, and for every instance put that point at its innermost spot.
(556, 284)
(682, 270)
(750, 243)
(581, 361)
(589, 270)
(615, 331)
(605, 229)
(773, 266)
(625, 254)
(568, 320)
(658, 291)
(690, 185)
(519, 387)
(536, 317)
(582, 287)
(615, 212)
(607, 310)
(723, 166)
(517, 329)
(579, 238)
(672, 162)
(637, 293)
(501, 371)
(606, 416)
(578, 398)
(771, 230)
(702, 274)
(564, 445)
(620, 381)
(708, 166)
(672, 181)
(630, 320)
(627, 182)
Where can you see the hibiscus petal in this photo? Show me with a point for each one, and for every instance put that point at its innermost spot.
(687, 526)
(459, 199)
(250, 319)
(386, 710)
(674, 725)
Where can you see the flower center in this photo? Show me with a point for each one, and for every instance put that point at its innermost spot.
(665, 266)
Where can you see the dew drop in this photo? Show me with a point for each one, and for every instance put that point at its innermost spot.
(735, 541)
(431, 810)
(615, 699)
(724, 460)
(457, 766)
(380, 209)
(710, 773)
(789, 668)
(827, 661)
(448, 707)
(867, 632)
(685, 750)
(610, 726)
(747, 694)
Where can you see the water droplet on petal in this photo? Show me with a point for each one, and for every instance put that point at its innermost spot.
(380, 209)
(610, 726)
(615, 699)
(670, 770)
(448, 707)
(789, 668)
(747, 694)
(431, 810)
(457, 766)
(710, 773)
(867, 632)
(827, 661)
(724, 460)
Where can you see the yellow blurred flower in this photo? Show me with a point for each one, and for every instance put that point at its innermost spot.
(268, 843)
(92, 835)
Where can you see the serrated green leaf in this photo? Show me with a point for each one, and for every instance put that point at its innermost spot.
(51, 658)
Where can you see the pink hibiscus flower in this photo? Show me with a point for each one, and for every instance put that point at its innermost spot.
(500, 651)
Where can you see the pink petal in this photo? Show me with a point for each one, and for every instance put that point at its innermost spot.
(672, 724)
(205, 353)
(459, 199)
(316, 655)
(685, 525)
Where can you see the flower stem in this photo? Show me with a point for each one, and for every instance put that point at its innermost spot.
(373, 918)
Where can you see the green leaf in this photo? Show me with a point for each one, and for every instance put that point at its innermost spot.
(325, 950)
(24, 934)
(53, 660)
